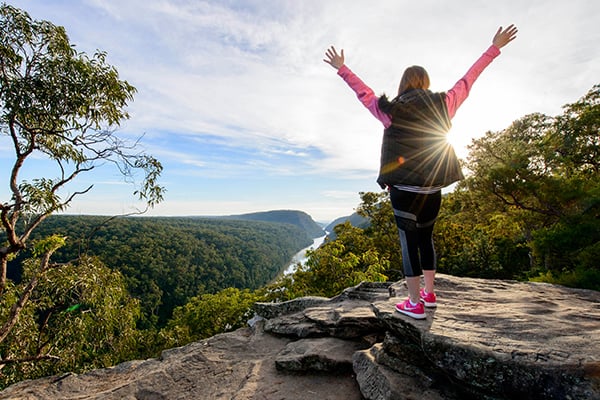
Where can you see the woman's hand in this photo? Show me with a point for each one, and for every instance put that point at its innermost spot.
(333, 58)
(504, 37)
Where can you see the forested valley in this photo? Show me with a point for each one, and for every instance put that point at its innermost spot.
(79, 293)
(166, 261)
(117, 286)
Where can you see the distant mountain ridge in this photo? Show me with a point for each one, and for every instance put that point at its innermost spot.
(294, 217)
(354, 219)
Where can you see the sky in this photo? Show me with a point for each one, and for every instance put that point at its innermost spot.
(235, 101)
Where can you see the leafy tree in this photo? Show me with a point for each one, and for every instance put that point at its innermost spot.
(473, 240)
(547, 166)
(542, 172)
(63, 106)
(574, 140)
(382, 229)
(79, 317)
(208, 315)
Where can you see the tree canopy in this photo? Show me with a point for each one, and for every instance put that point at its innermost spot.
(166, 261)
(541, 177)
(64, 107)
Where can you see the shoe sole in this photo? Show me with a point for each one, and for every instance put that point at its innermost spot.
(428, 304)
(411, 314)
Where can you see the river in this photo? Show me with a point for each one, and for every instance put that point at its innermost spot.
(300, 257)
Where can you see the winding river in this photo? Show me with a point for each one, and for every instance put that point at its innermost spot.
(300, 257)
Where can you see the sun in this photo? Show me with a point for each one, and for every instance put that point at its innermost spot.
(453, 139)
(458, 142)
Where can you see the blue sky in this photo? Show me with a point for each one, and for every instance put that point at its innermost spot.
(235, 100)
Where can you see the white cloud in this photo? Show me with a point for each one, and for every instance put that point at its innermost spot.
(250, 73)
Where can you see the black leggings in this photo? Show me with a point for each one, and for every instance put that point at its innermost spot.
(415, 215)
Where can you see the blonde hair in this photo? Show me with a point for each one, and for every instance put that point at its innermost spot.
(414, 77)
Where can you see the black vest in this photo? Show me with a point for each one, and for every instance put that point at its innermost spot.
(414, 150)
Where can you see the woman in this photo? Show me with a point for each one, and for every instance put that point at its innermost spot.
(416, 160)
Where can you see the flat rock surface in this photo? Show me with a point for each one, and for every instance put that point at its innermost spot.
(318, 355)
(235, 366)
(508, 339)
(505, 339)
(531, 321)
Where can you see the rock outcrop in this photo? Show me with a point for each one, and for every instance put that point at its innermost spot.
(487, 339)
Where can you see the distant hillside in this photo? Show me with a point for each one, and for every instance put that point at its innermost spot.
(297, 218)
(354, 219)
(167, 260)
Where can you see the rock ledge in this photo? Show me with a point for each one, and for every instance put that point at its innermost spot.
(487, 339)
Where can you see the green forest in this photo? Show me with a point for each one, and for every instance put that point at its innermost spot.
(166, 261)
(116, 286)
(79, 293)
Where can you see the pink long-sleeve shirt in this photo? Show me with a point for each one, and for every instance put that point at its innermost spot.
(454, 97)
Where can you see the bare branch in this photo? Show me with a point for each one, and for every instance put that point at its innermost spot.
(28, 359)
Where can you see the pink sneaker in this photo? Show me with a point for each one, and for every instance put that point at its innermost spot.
(417, 312)
(428, 298)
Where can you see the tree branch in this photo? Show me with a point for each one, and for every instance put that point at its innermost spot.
(18, 306)
(28, 359)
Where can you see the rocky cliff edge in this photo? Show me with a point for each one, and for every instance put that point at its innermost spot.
(487, 339)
